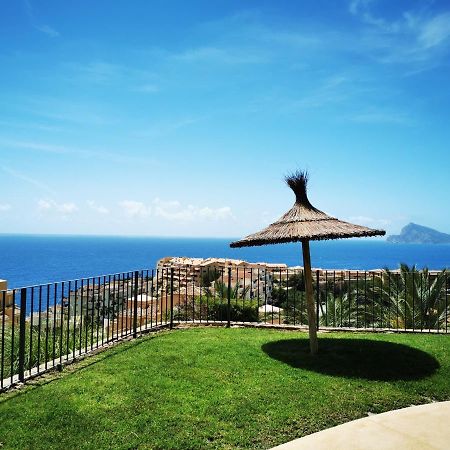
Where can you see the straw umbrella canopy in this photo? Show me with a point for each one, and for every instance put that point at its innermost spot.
(304, 223)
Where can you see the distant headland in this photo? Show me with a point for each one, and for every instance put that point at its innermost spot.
(418, 234)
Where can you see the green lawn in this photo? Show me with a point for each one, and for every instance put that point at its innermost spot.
(224, 388)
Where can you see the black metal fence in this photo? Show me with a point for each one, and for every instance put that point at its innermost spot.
(45, 326)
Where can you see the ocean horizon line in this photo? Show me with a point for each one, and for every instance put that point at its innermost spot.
(152, 236)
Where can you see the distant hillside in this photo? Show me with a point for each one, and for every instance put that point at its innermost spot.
(418, 234)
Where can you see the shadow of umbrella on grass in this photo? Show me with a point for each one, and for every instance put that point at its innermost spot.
(304, 223)
(356, 358)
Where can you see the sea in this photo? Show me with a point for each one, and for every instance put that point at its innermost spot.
(27, 260)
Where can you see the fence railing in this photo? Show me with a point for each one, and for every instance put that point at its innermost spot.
(44, 326)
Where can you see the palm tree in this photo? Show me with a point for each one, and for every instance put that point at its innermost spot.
(221, 291)
(413, 299)
(337, 311)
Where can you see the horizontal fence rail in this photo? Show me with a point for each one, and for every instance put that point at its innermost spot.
(44, 326)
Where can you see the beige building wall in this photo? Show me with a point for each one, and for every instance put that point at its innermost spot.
(12, 314)
(6, 298)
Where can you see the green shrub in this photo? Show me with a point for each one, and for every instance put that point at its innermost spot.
(216, 309)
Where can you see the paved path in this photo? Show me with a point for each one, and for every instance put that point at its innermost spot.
(417, 427)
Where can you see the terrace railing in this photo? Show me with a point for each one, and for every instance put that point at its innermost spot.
(45, 326)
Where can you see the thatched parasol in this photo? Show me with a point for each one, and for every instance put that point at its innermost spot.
(304, 223)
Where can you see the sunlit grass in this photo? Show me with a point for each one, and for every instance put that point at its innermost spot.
(224, 388)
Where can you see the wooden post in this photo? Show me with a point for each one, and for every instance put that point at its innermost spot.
(313, 344)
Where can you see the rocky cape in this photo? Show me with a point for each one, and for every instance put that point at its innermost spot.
(418, 234)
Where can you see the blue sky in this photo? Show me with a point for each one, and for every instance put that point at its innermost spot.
(179, 118)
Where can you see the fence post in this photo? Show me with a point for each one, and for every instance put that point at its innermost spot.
(135, 303)
(171, 298)
(229, 299)
(23, 312)
(446, 302)
(317, 298)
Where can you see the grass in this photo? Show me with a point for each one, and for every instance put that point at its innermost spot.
(224, 388)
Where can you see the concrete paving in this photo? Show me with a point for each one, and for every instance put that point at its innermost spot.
(417, 427)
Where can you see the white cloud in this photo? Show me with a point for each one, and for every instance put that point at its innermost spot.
(63, 208)
(369, 221)
(5, 207)
(67, 208)
(215, 213)
(133, 208)
(44, 205)
(97, 208)
(174, 211)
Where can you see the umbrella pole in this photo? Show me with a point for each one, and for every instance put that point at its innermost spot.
(314, 346)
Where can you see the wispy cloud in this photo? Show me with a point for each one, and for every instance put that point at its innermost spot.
(222, 55)
(370, 221)
(63, 111)
(65, 208)
(383, 117)
(30, 125)
(323, 92)
(27, 145)
(5, 207)
(415, 37)
(64, 211)
(330, 90)
(42, 27)
(147, 88)
(107, 74)
(174, 211)
(435, 32)
(27, 179)
(100, 72)
(97, 208)
(356, 5)
(133, 208)
(117, 156)
(164, 128)
(49, 31)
